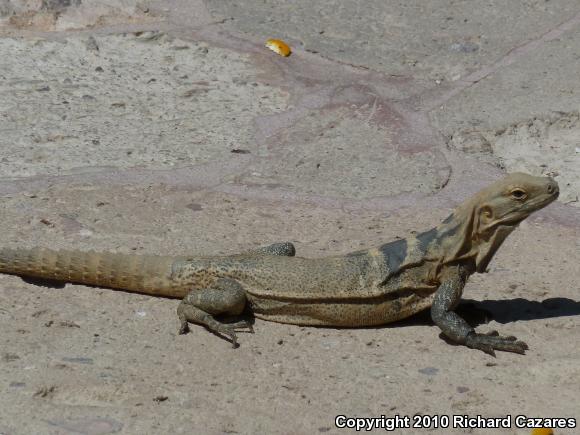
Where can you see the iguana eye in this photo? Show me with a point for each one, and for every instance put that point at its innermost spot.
(518, 193)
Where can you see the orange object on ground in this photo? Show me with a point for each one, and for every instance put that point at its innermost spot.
(279, 46)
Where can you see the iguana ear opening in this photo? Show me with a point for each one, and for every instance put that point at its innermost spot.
(487, 236)
(475, 240)
(484, 218)
(472, 243)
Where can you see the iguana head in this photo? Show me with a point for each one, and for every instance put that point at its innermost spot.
(509, 201)
(484, 221)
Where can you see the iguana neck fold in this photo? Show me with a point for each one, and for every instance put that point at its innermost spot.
(460, 238)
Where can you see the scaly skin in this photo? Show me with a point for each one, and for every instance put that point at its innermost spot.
(370, 287)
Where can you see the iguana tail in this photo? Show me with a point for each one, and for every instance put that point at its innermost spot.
(136, 273)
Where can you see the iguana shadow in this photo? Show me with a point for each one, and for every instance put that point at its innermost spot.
(43, 282)
(513, 310)
(502, 311)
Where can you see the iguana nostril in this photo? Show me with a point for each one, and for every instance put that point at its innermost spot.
(552, 188)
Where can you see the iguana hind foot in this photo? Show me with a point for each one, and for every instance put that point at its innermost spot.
(200, 306)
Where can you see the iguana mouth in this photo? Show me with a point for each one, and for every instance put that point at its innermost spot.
(529, 208)
(540, 203)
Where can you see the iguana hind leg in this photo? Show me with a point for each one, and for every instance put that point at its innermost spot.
(200, 306)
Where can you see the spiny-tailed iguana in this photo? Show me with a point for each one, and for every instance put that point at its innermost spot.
(369, 287)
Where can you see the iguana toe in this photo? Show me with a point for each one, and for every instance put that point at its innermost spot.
(242, 324)
(229, 331)
(183, 328)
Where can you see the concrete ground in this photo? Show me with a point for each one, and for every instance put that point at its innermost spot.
(166, 127)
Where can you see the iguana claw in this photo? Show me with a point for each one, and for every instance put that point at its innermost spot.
(228, 331)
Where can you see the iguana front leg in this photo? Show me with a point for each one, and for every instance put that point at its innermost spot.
(453, 326)
(200, 306)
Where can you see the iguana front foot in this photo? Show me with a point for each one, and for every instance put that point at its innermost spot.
(492, 341)
(456, 328)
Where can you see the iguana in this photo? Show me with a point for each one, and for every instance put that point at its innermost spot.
(369, 287)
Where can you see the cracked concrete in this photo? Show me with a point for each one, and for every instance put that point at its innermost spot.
(166, 127)
(91, 89)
